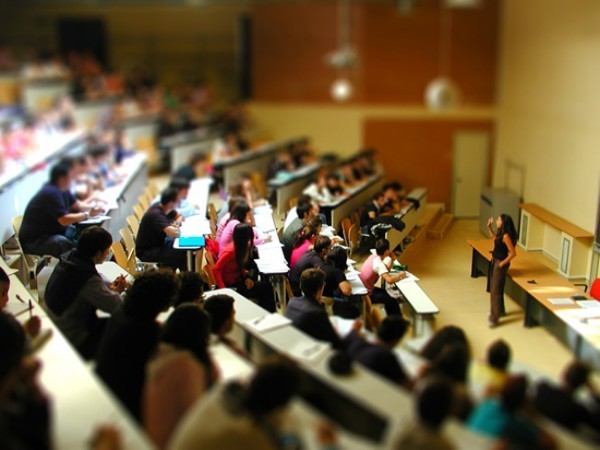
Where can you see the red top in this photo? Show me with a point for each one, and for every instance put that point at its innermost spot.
(226, 269)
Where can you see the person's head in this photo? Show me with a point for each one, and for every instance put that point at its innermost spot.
(392, 191)
(60, 176)
(575, 375)
(198, 163)
(498, 355)
(312, 282)
(452, 362)
(94, 243)
(4, 288)
(169, 199)
(505, 225)
(382, 247)
(379, 199)
(182, 186)
(307, 233)
(191, 288)
(434, 402)
(99, 153)
(316, 222)
(242, 241)
(392, 329)
(447, 335)
(233, 201)
(12, 351)
(338, 257)
(303, 211)
(151, 293)
(322, 245)
(222, 313)
(304, 199)
(272, 387)
(240, 211)
(188, 328)
(332, 180)
(514, 392)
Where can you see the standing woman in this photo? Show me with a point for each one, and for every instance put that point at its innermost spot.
(505, 239)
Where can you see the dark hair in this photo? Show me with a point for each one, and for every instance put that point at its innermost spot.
(434, 402)
(322, 243)
(576, 374)
(394, 185)
(93, 240)
(13, 341)
(59, 171)
(191, 288)
(311, 281)
(303, 209)
(150, 294)
(498, 354)
(243, 237)
(188, 328)
(304, 199)
(239, 211)
(382, 246)
(233, 201)
(98, 150)
(378, 195)
(338, 257)
(272, 387)
(219, 308)
(315, 221)
(179, 183)
(66, 161)
(304, 234)
(508, 227)
(452, 362)
(392, 328)
(3, 276)
(168, 195)
(514, 392)
(197, 158)
(447, 335)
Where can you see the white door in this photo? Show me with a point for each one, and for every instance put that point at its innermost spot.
(470, 156)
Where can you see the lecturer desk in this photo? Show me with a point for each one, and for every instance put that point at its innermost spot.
(562, 321)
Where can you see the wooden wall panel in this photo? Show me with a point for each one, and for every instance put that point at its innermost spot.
(419, 152)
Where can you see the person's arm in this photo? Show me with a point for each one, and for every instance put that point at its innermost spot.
(393, 278)
(345, 288)
(172, 231)
(98, 294)
(512, 252)
(489, 227)
(71, 218)
(218, 269)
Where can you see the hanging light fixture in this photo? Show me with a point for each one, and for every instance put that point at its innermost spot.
(442, 93)
(344, 57)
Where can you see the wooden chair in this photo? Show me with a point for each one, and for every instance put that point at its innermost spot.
(143, 201)
(153, 189)
(134, 224)
(355, 218)
(213, 217)
(149, 195)
(120, 257)
(353, 238)
(128, 241)
(29, 262)
(208, 269)
(258, 180)
(346, 224)
(138, 210)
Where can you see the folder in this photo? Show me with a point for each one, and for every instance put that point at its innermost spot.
(191, 241)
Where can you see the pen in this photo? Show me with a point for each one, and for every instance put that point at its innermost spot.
(30, 308)
(20, 299)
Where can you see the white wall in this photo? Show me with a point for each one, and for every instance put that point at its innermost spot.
(549, 108)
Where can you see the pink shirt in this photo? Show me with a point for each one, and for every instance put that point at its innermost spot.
(370, 272)
(221, 227)
(227, 235)
(299, 251)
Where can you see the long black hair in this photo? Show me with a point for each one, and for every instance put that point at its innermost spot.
(239, 211)
(508, 227)
(243, 237)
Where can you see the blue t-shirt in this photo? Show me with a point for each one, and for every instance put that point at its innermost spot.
(43, 211)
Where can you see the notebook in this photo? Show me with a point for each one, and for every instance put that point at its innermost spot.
(191, 241)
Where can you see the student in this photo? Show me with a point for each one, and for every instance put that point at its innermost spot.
(490, 376)
(195, 168)
(379, 356)
(562, 404)
(505, 239)
(292, 214)
(325, 189)
(241, 213)
(183, 205)
(237, 415)
(159, 228)
(433, 405)
(76, 291)
(131, 337)
(303, 242)
(191, 288)
(221, 310)
(304, 212)
(50, 212)
(374, 223)
(308, 314)
(313, 258)
(222, 222)
(336, 284)
(231, 268)
(180, 372)
(447, 335)
(33, 324)
(379, 265)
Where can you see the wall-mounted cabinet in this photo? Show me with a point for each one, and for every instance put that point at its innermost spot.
(566, 243)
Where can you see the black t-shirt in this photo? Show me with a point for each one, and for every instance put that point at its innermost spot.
(151, 234)
(333, 278)
(186, 172)
(377, 358)
(365, 220)
(43, 211)
(309, 260)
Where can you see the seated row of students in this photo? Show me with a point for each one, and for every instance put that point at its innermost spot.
(297, 155)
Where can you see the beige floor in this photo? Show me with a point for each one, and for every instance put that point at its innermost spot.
(444, 269)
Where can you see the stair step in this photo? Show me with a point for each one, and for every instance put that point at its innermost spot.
(439, 228)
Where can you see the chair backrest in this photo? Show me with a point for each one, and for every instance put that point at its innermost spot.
(292, 202)
(595, 289)
(346, 224)
(149, 195)
(353, 237)
(208, 268)
(138, 210)
(134, 224)
(128, 241)
(121, 258)
(259, 183)
(355, 218)
(17, 221)
(30, 261)
(153, 189)
(213, 217)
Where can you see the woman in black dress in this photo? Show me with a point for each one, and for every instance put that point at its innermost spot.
(505, 239)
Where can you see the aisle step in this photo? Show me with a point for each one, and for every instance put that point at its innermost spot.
(440, 227)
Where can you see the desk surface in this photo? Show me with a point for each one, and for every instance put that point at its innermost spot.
(557, 222)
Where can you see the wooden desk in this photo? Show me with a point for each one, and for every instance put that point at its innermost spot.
(410, 216)
(531, 284)
(292, 186)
